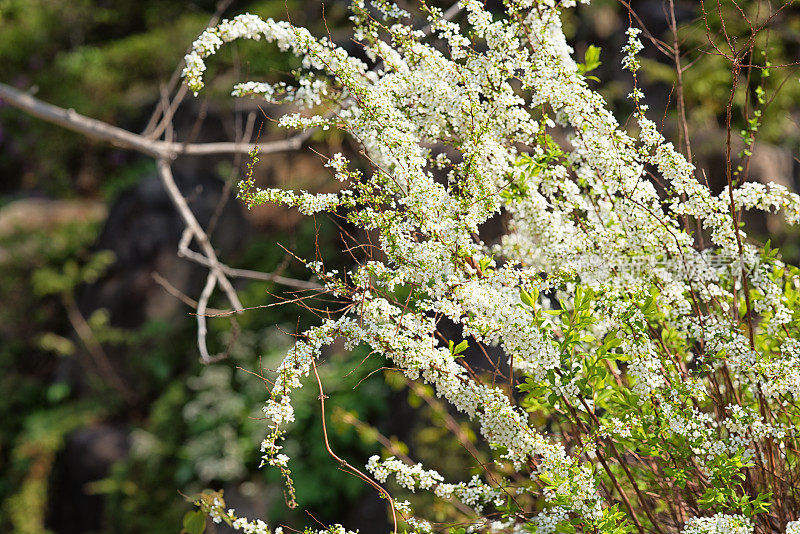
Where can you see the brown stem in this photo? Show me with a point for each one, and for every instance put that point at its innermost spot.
(343, 462)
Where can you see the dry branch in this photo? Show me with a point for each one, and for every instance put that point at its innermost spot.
(107, 133)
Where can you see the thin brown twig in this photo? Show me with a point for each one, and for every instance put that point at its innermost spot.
(343, 463)
(167, 112)
(247, 273)
(180, 295)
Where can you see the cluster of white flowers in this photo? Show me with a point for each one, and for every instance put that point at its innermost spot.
(718, 524)
(215, 508)
(621, 428)
(443, 129)
(746, 426)
(474, 493)
(307, 203)
(409, 477)
(217, 512)
(419, 525)
(278, 410)
(547, 522)
(645, 367)
(632, 48)
(767, 197)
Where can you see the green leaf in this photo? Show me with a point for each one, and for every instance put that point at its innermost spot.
(592, 57)
(612, 341)
(527, 298)
(565, 528)
(194, 522)
(590, 62)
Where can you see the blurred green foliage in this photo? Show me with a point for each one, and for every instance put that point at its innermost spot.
(192, 426)
(32, 459)
(37, 415)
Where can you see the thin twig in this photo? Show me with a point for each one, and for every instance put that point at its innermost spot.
(104, 367)
(343, 463)
(246, 273)
(183, 297)
(153, 123)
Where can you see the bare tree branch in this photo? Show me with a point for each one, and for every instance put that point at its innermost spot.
(246, 273)
(202, 304)
(101, 131)
(165, 173)
(163, 152)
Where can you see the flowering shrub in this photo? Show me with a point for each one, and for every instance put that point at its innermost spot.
(652, 348)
